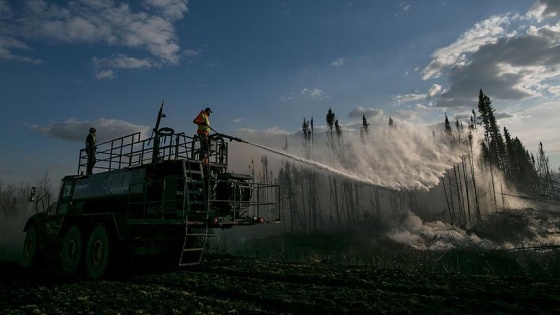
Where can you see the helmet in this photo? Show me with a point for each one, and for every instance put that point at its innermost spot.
(92, 130)
(208, 110)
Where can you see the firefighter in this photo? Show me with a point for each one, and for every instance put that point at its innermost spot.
(91, 147)
(203, 122)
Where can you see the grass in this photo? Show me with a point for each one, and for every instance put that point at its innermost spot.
(346, 249)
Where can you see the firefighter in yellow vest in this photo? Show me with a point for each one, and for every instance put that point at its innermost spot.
(203, 122)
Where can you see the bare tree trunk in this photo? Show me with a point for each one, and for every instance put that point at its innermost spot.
(473, 176)
(357, 202)
(459, 194)
(451, 198)
(466, 190)
(447, 200)
(493, 187)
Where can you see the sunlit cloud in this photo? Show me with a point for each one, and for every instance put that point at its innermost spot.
(145, 28)
(496, 56)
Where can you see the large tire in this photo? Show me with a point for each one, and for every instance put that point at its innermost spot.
(71, 253)
(31, 252)
(98, 252)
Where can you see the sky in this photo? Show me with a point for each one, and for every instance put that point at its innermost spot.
(264, 66)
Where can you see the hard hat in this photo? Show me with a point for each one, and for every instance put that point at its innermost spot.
(208, 110)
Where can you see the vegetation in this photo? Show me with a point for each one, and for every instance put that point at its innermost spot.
(478, 185)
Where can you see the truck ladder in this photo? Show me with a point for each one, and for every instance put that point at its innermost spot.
(198, 202)
(193, 246)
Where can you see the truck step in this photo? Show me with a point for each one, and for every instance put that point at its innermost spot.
(199, 249)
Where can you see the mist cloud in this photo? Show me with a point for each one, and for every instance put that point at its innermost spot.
(408, 158)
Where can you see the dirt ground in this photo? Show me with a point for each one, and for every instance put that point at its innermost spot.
(236, 285)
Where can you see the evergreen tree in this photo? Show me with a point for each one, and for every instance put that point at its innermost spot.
(364, 130)
(543, 171)
(510, 168)
(330, 126)
(306, 134)
(447, 127)
(392, 123)
(492, 134)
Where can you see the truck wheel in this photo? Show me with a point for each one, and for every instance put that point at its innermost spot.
(97, 252)
(31, 252)
(71, 253)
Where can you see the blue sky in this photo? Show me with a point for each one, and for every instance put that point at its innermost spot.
(264, 65)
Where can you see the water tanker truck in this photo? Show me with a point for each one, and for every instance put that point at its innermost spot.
(151, 197)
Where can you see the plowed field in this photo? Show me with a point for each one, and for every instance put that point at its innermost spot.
(235, 285)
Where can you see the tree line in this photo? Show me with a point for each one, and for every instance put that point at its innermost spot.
(479, 184)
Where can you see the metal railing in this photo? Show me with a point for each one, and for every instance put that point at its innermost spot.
(131, 150)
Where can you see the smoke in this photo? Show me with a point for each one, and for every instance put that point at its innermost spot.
(12, 235)
(11, 228)
(435, 235)
(508, 229)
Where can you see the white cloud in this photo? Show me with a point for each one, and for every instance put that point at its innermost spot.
(8, 45)
(434, 90)
(117, 24)
(316, 93)
(554, 90)
(170, 9)
(339, 63)
(399, 99)
(405, 6)
(313, 93)
(105, 74)
(485, 32)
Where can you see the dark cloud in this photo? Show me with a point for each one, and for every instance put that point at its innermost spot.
(76, 131)
(369, 113)
(551, 7)
(503, 115)
(534, 56)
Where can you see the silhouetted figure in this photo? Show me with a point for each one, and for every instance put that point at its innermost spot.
(91, 147)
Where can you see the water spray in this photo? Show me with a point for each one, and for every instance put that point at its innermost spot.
(399, 162)
(315, 164)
